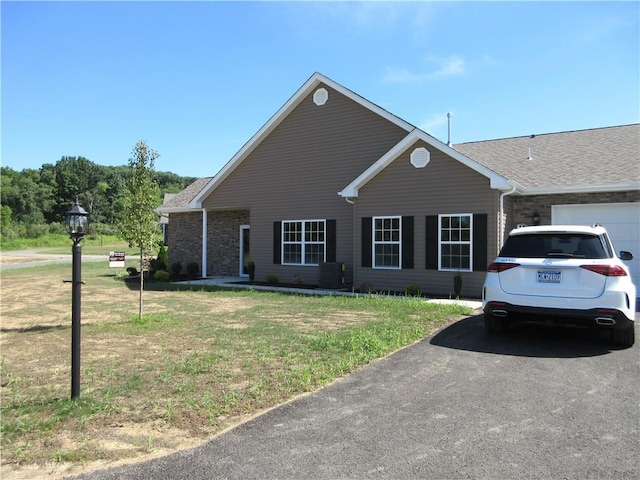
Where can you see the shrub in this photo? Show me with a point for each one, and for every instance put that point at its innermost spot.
(176, 269)
(98, 229)
(366, 287)
(163, 256)
(251, 269)
(132, 271)
(156, 264)
(161, 276)
(413, 290)
(193, 269)
(160, 262)
(57, 228)
(457, 284)
(14, 231)
(36, 230)
(6, 218)
(271, 278)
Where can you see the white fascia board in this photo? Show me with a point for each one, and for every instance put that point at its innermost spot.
(351, 190)
(315, 80)
(175, 210)
(497, 181)
(611, 187)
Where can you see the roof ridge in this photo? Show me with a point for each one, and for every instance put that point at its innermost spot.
(547, 134)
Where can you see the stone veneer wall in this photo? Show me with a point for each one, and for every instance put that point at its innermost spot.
(185, 238)
(223, 241)
(523, 207)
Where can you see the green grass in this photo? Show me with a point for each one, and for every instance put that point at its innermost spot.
(197, 361)
(62, 243)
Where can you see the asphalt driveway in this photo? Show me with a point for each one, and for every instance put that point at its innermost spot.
(535, 403)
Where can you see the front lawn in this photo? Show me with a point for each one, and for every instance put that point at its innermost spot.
(200, 360)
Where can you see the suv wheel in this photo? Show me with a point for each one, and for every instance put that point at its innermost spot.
(495, 324)
(623, 337)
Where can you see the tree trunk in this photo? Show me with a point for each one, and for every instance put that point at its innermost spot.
(141, 284)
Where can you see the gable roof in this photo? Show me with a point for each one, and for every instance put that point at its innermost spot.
(314, 81)
(603, 159)
(599, 159)
(497, 181)
(413, 134)
(179, 202)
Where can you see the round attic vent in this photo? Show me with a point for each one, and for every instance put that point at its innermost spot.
(420, 157)
(320, 96)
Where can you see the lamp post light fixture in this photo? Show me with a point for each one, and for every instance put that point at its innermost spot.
(76, 221)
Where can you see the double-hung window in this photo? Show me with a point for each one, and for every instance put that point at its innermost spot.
(387, 242)
(303, 242)
(455, 240)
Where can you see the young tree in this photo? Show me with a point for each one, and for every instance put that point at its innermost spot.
(139, 221)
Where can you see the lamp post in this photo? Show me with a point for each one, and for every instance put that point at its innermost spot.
(76, 221)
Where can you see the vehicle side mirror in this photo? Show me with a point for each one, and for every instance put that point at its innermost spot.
(626, 255)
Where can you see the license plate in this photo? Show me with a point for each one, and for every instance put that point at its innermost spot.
(549, 276)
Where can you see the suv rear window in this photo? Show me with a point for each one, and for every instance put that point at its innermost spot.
(553, 245)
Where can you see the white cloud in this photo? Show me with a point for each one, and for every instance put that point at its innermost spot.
(453, 65)
(401, 75)
(434, 123)
(367, 16)
(442, 67)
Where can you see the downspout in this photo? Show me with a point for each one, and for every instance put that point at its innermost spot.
(204, 242)
(501, 216)
(353, 241)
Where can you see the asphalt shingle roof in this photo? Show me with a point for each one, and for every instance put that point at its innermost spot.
(181, 200)
(599, 156)
(580, 158)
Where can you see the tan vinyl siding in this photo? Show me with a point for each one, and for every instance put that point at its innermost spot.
(296, 172)
(444, 186)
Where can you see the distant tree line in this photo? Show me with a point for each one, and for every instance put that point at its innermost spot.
(33, 202)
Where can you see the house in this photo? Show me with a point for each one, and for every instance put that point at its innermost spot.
(333, 179)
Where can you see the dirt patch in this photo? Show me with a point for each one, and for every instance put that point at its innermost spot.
(9, 259)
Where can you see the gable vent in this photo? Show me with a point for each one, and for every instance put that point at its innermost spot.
(420, 157)
(320, 96)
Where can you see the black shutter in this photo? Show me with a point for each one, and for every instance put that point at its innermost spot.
(432, 243)
(366, 241)
(331, 241)
(480, 242)
(277, 243)
(407, 242)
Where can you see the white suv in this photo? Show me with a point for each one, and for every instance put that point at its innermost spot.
(561, 275)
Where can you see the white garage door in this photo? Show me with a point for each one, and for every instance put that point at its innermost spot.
(622, 221)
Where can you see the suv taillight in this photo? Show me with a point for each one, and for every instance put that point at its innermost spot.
(498, 267)
(606, 270)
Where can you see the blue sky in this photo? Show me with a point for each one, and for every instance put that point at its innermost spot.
(197, 79)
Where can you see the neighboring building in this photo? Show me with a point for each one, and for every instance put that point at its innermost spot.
(333, 178)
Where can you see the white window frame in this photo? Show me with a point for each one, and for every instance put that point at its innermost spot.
(375, 242)
(455, 242)
(303, 242)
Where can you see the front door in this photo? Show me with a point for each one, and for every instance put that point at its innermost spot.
(245, 257)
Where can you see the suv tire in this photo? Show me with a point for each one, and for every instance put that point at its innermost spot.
(623, 337)
(494, 324)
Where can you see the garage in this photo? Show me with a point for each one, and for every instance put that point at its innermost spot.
(622, 221)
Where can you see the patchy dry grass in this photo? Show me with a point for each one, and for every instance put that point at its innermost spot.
(200, 361)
